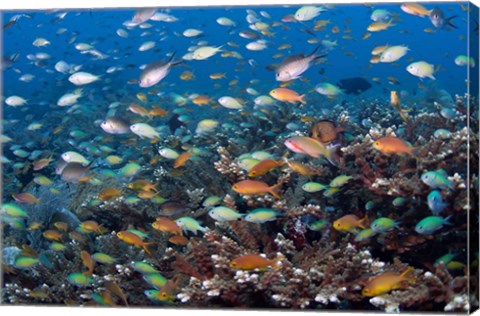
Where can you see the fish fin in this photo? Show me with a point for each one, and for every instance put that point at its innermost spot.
(404, 273)
(332, 156)
(360, 222)
(432, 77)
(449, 21)
(144, 246)
(302, 99)
(446, 220)
(277, 260)
(275, 190)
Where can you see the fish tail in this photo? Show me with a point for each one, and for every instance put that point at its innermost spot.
(362, 221)
(332, 156)
(275, 190)
(446, 221)
(449, 21)
(302, 99)
(277, 260)
(404, 273)
(144, 246)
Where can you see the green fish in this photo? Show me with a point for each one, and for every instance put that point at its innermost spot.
(365, 234)
(369, 205)
(155, 279)
(190, 224)
(103, 258)
(25, 262)
(262, 215)
(79, 279)
(399, 201)
(445, 259)
(312, 187)
(331, 192)
(211, 201)
(224, 214)
(383, 224)
(317, 225)
(130, 169)
(431, 224)
(339, 181)
(143, 267)
(437, 179)
(56, 246)
(13, 210)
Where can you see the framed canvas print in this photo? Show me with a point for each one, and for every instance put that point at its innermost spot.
(272, 157)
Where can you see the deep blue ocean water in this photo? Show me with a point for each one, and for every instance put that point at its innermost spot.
(98, 27)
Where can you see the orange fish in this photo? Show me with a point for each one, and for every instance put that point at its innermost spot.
(26, 198)
(178, 240)
(87, 262)
(264, 166)
(108, 194)
(147, 194)
(349, 223)
(301, 168)
(252, 262)
(77, 236)
(182, 159)
(385, 283)
(42, 163)
(52, 235)
(158, 112)
(92, 226)
(415, 9)
(61, 226)
(133, 239)
(287, 95)
(202, 100)
(143, 185)
(166, 225)
(142, 97)
(252, 187)
(138, 109)
(392, 145)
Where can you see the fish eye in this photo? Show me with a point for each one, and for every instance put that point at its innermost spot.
(163, 294)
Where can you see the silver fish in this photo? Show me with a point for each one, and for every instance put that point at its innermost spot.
(74, 171)
(143, 15)
(153, 73)
(439, 21)
(115, 125)
(293, 66)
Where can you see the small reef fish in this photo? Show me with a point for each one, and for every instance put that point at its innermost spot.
(264, 166)
(293, 66)
(224, 214)
(262, 215)
(155, 72)
(167, 225)
(386, 282)
(252, 187)
(437, 179)
(415, 9)
(251, 262)
(349, 223)
(392, 145)
(383, 224)
(431, 224)
(287, 95)
(188, 224)
(135, 240)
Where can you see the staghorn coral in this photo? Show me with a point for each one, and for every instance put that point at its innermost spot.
(228, 167)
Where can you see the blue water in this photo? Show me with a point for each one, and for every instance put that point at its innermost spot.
(98, 27)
